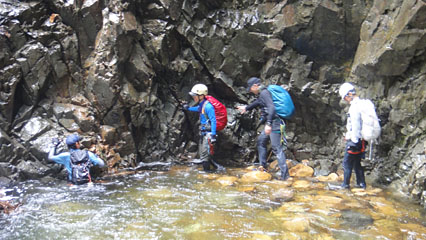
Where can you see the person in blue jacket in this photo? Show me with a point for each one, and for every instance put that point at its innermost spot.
(73, 143)
(272, 125)
(208, 126)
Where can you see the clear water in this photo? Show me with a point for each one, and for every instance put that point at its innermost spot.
(185, 203)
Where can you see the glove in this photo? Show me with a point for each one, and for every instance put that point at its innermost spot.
(213, 139)
(55, 142)
(185, 107)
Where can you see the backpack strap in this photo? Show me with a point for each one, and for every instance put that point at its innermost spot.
(283, 133)
(203, 110)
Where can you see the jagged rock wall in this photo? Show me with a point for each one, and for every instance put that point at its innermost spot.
(115, 73)
(390, 67)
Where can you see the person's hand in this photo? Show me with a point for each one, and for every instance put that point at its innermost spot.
(213, 139)
(55, 142)
(185, 106)
(242, 109)
(268, 129)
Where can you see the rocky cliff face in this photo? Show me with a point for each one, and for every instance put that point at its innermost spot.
(114, 72)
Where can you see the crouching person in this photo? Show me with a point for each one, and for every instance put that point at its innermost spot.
(77, 162)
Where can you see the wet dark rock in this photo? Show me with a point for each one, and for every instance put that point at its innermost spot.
(32, 170)
(6, 170)
(4, 181)
(34, 128)
(10, 77)
(108, 134)
(355, 220)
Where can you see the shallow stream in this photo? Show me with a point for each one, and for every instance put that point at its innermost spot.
(185, 203)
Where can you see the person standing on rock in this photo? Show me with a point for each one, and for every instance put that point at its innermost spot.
(355, 146)
(272, 125)
(208, 126)
(77, 162)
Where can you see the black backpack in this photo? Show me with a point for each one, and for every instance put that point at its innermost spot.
(80, 165)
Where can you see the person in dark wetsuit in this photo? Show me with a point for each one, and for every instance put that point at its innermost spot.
(272, 125)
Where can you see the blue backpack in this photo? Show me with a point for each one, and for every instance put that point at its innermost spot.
(284, 106)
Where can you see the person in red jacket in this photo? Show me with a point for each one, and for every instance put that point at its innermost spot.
(208, 126)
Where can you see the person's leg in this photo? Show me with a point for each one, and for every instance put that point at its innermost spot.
(347, 170)
(359, 172)
(203, 149)
(216, 164)
(211, 158)
(262, 144)
(278, 150)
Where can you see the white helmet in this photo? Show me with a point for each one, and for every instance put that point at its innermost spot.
(345, 89)
(198, 89)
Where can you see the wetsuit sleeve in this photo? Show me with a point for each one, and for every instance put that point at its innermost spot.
(266, 97)
(95, 160)
(254, 104)
(209, 109)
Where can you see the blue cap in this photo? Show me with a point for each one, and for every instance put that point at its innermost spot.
(72, 139)
(251, 82)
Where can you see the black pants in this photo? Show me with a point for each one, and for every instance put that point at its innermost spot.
(353, 161)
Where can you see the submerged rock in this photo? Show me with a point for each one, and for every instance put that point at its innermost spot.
(355, 220)
(297, 224)
(227, 180)
(255, 176)
(282, 195)
(301, 170)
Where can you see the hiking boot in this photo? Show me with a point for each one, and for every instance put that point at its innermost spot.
(220, 168)
(262, 169)
(285, 179)
(338, 187)
(362, 185)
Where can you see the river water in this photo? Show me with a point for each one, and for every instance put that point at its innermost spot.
(185, 203)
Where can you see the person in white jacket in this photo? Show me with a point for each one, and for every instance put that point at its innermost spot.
(355, 145)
